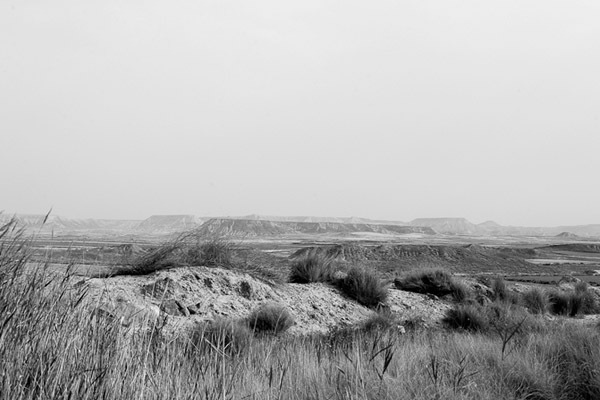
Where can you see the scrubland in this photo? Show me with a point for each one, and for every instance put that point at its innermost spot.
(54, 345)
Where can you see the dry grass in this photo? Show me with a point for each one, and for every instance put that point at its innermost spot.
(270, 318)
(53, 347)
(311, 267)
(433, 281)
(364, 286)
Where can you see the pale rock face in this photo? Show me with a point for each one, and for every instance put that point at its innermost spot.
(180, 298)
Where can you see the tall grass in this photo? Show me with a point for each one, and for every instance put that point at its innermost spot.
(364, 286)
(52, 346)
(309, 268)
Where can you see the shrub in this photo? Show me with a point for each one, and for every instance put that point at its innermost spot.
(270, 318)
(311, 268)
(499, 289)
(466, 316)
(215, 252)
(559, 302)
(535, 300)
(364, 286)
(223, 335)
(581, 287)
(433, 281)
(572, 303)
(460, 292)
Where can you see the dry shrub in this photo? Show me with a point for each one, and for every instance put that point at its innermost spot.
(271, 318)
(311, 268)
(572, 302)
(433, 281)
(364, 286)
(469, 317)
(535, 300)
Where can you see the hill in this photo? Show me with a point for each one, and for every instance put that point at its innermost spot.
(169, 223)
(465, 259)
(260, 228)
(453, 226)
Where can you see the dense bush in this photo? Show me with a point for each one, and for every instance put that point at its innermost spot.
(499, 289)
(573, 302)
(311, 268)
(433, 281)
(364, 286)
(271, 318)
(535, 300)
(469, 317)
(215, 252)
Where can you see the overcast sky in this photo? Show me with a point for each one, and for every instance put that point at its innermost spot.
(385, 109)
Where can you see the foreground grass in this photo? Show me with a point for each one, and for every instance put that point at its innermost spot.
(52, 346)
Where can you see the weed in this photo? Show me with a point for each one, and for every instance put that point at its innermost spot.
(433, 281)
(535, 300)
(270, 317)
(364, 286)
(310, 268)
(469, 317)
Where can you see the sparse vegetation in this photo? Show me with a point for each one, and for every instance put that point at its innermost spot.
(469, 317)
(536, 300)
(364, 286)
(433, 281)
(223, 335)
(309, 268)
(213, 252)
(380, 321)
(52, 345)
(270, 318)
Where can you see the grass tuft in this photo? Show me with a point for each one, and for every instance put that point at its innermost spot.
(270, 318)
(364, 286)
(469, 317)
(535, 300)
(433, 281)
(311, 268)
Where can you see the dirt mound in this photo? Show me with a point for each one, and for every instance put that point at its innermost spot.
(567, 235)
(575, 247)
(183, 297)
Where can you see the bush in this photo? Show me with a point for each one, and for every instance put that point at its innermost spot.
(499, 289)
(535, 300)
(223, 335)
(364, 286)
(215, 252)
(270, 318)
(460, 292)
(311, 268)
(468, 317)
(433, 281)
(570, 303)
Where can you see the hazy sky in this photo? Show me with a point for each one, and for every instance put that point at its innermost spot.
(386, 109)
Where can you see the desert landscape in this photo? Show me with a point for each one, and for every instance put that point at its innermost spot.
(263, 307)
(310, 200)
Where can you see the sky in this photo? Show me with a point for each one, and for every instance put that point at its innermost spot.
(390, 109)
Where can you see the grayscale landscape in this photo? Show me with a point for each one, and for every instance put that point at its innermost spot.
(324, 200)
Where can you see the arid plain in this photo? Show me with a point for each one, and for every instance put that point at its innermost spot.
(272, 307)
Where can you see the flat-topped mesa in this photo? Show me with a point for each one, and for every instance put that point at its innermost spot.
(459, 226)
(169, 223)
(258, 228)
